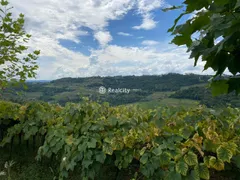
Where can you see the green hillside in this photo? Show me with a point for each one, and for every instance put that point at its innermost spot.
(142, 89)
(146, 91)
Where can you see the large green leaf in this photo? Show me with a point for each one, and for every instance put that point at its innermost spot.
(182, 40)
(164, 159)
(219, 87)
(203, 171)
(157, 151)
(107, 149)
(224, 154)
(144, 158)
(100, 157)
(182, 168)
(173, 175)
(216, 163)
(191, 158)
(236, 160)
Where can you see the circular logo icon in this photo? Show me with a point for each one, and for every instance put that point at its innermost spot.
(102, 90)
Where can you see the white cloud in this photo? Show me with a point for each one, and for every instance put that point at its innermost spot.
(103, 37)
(150, 43)
(147, 24)
(117, 60)
(51, 20)
(144, 8)
(124, 34)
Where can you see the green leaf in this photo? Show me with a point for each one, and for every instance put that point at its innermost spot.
(237, 4)
(216, 163)
(4, 3)
(107, 149)
(203, 171)
(195, 5)
(194, 175)
(236, 160)
(164, 159)
(157, 151)
(175, 22)
(172, 8)
(173, 175)
(182, 168)
(219, 87)
(191, 158)
(182, 40)
(100, 157)
(224, 154)
(144, 158)
(92, 143)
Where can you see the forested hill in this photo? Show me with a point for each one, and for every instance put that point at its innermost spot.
(167, 82)
(163, 89)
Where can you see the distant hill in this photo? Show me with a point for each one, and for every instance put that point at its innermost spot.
(43, 81)
(163, 89)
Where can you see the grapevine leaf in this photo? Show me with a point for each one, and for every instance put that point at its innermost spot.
(165, 159)
(107, 149)
(191, 158)
(194, 174)
(224, 154)
(144, 158)
(182, 168)
(173, 175)
(236, 160)
(216, 163)
(157, 151)
(203, 171)
(100, 157)
(92, 143)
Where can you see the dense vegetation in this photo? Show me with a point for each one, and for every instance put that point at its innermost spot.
(16, 63)
(90, 140)
(147, 89)
(205, 97)
(154, 144)
(213, 36)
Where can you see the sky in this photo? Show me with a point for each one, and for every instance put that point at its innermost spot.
(82, 38)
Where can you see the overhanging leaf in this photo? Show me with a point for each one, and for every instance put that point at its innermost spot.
(219, 87)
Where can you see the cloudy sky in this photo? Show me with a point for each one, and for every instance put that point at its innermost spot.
(80, 38)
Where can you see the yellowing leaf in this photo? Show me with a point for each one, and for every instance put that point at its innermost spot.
(69, 140)
(224, 154)
(203, 171)
(191, 158)
(216, 163)
(107, 149)
(182, 168)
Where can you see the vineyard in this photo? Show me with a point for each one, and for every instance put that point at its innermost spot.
(165, 143)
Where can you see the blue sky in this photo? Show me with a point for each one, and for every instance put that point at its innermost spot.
(80, 38)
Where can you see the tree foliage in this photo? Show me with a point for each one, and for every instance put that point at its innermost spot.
(15, 64)
(213, 35)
